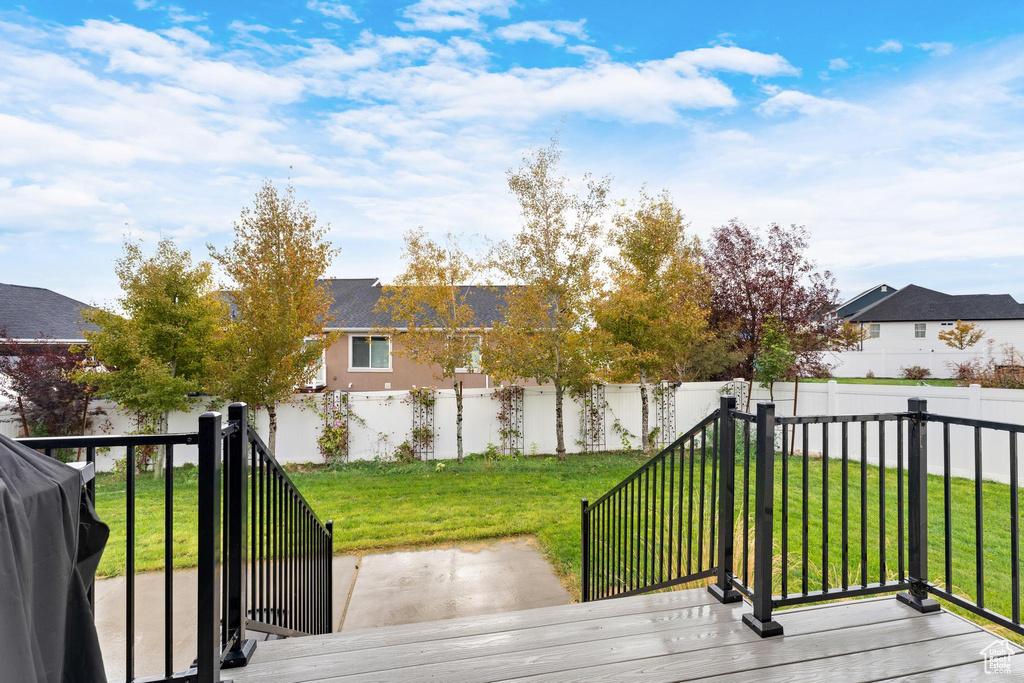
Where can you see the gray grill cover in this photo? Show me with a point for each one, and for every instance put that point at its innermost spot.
(50, 545)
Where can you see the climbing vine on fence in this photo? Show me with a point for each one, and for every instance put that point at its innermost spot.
(510, 418)
(421, 442)
(336, 412)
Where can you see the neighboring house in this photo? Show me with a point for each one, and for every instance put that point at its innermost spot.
(911, 318)
(363, 361)
(868, 297)
(41, 316)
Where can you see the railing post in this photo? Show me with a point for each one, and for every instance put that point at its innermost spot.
(917, 500)
(722, 589)
(585, 543)
(237, 542)
(330, 575)
(764, 488)
(208, 627)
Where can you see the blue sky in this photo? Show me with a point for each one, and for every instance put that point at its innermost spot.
(893, 131)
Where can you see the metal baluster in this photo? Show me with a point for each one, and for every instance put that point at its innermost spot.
(129, 643)
(863, 504)
(824, 507)
(661, 527)
(712, 510)
(881, 502)
(671, 508)
(948, 499)
(1014, 528)
(806, 505)
(901, 509)
(785, 511)
(700, 520)
(979, 526)
(746, 501)
(168, 559)
(845, 433)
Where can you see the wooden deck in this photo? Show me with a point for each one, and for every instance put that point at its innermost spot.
(678, 636)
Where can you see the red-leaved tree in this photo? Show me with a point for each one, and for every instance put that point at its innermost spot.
(760, 273)
(37, 388)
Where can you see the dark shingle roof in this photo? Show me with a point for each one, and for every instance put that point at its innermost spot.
(864, 299)
(35, 313)
(355, 301)
(918, 303)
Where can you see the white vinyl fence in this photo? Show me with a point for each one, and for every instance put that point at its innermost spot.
(831, 398)
(383, 420)
(939, 362)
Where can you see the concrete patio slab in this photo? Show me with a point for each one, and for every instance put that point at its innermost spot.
(428, 585)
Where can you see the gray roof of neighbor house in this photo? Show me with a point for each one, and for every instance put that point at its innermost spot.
(355, 302)
(918, 303)
(37, 313)
(864, 299)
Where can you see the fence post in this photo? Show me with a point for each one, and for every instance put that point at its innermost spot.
(917, 494)
(208, 627)
(585, 543)
(722, 589)
(764, 488)
(237, 541)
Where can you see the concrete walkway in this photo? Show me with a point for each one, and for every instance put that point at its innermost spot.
(370, 590)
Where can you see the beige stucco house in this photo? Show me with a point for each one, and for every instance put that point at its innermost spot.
(363, 361)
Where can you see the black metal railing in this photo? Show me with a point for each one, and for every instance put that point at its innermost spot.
(290, 550)
(817, 508)
(226, 491)
(656, 528)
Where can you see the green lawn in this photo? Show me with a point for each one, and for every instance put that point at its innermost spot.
(890, 381)
(380, 506)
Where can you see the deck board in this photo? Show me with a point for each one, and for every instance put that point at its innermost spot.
(681, 635)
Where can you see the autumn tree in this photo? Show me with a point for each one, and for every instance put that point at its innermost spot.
(756, 274)
(431, 313)
(280, 309)
(962, 335)
(546, 331)
(157, 356)
(37, 382)
(656, 308)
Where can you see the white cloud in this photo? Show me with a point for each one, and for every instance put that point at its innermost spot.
(887, 46)
(838, 64)
(737, 59)
(335, 10)
(937, 49)
(144, 4)
(452, 15)
(803, 103)
(550, 32)
(104, 124)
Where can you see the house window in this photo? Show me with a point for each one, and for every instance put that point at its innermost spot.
(875, 331)
(369, 353)
(920, 330)
(474, 361)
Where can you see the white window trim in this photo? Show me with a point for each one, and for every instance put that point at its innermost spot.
(871, 331)
(477, 370)
(924, 334)
(351, 336)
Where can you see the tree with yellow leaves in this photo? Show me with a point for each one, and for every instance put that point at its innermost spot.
(431, 313)
(656, 309)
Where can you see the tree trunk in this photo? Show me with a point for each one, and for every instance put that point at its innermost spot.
(24, 420)
(272, 433)
(559, 393)
(458, 419)
(750, 390)
(85, 421)
(158, 466)
(645, 436)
